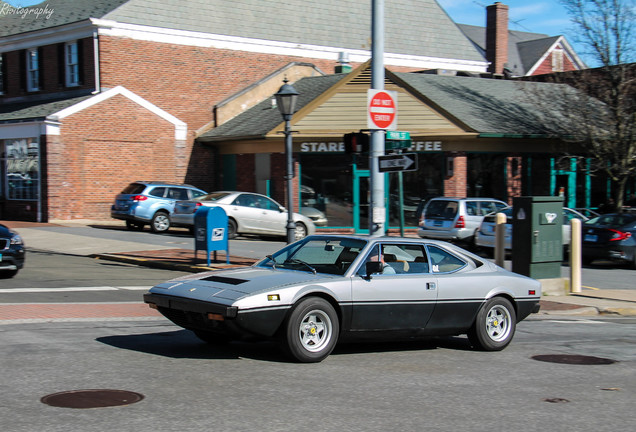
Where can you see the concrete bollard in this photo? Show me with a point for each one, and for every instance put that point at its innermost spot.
(575, 256)
(500, 239)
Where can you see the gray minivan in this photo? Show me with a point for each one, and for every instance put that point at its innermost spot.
(456, 219)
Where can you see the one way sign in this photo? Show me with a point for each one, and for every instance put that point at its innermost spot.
(400, 162)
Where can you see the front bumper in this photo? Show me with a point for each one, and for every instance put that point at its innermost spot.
(202, 315)
(12, 259)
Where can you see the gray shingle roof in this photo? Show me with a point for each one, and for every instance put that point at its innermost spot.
(524, 48)
(262, 118)
(36, 110)
(487, 106)
(492, 106)
(412, 27)
(53, 13)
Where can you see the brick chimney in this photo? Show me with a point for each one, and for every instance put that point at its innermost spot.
(497, 37)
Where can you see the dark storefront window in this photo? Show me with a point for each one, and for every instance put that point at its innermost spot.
(487, 176)
(20, 169)
(327, 185)
(421, 185)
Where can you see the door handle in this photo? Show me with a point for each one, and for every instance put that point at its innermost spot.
(431, 286)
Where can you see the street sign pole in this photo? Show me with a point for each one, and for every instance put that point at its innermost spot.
(377, 209)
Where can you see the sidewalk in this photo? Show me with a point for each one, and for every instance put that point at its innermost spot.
(589, 302)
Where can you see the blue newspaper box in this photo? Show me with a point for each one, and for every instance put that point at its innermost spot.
(210, 232)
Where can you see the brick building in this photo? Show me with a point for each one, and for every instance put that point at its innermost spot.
(98, 93)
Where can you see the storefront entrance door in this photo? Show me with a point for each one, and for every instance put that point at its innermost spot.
(361, 197)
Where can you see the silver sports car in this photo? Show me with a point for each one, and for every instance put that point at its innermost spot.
(329, 288)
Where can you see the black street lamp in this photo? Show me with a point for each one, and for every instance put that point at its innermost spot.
(286, 101)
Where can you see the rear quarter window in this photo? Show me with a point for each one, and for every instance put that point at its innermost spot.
(134, 189)
(441, 209)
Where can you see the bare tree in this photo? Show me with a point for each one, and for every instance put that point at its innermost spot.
(605, 28)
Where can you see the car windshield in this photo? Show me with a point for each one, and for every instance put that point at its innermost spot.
(214, 196)
(331, 255)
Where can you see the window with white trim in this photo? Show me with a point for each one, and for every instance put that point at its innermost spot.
(71, 60)
(557, 60)
(33, 70)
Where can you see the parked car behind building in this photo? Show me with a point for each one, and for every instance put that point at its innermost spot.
(456, 219)
(142, 203)
(248, 213)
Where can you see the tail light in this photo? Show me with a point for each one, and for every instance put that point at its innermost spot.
(619, 235)
(138, 198)
(461, 222)
(196, 207)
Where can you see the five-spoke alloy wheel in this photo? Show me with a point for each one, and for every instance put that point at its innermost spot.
(494, 326)
(311, 331)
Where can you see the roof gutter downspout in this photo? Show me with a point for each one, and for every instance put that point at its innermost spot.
(98, 85)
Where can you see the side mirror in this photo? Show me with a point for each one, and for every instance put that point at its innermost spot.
(282, 209)
(373, 267)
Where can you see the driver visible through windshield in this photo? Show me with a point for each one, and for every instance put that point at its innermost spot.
(331, 256)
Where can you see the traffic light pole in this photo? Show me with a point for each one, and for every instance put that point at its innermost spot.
(377, 209)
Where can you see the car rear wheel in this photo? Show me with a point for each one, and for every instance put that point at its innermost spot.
(494, 326)
(300, 232)
(311, 331)
(231, 229)
(160, 222)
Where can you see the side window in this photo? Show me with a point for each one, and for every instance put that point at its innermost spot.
(245, 200)
(500, 206)
(401, 259)
(472, 208)
(178, 193)
(158, 192)
(442, 261)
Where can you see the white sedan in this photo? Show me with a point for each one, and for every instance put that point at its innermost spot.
(485, 235)
(247, 212)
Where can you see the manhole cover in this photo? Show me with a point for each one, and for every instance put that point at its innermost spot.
(573, 359)
(91, 398)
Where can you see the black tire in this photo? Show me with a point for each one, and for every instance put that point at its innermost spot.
(231, 229)
(494, 326)
(134, 226)
(160, 222)
(310, 332)
(211, 337)
(300, 232)
(8, 274)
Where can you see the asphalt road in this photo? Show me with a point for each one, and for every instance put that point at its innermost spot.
(436, 384)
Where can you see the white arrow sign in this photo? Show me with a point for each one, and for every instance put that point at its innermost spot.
(401, 162)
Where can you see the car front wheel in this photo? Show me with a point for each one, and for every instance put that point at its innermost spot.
(311, 331)
(160, 222)
(300, 232)
(494, 326)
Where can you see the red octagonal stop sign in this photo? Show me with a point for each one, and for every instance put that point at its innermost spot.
(382, 109)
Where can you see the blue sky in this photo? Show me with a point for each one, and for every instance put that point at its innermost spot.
(536, 16)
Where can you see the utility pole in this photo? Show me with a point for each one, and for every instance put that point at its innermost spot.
(377, 209)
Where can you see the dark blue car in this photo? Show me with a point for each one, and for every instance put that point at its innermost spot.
(11, 252)
(610, 237)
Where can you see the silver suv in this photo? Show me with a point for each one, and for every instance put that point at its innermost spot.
(456, 219)
(142, 203)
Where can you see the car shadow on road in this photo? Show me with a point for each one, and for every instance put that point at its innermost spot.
(184, 344)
